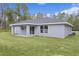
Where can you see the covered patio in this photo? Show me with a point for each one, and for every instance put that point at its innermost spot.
(23, 30)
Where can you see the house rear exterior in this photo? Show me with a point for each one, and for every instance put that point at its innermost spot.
(42, 27)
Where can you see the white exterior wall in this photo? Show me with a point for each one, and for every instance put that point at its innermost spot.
(59, 31)
(56, 31)
(68, 30)
(17, 31)
(37, 31)
(53, 31)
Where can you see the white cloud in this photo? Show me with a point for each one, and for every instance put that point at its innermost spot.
(48, 15)
(73, 10)
(75, 4)
(66, 11)
(56, 13)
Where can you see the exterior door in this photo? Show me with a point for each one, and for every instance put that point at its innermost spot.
(32, 29)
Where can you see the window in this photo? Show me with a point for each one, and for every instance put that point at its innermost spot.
(23, 27)
(41, 28)
(44, 29)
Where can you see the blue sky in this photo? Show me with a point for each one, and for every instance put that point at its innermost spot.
(46, 8)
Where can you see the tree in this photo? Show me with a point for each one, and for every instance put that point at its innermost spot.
(18, 10)
(9, 13)
(24, 9)
(74, 20)
(61, 16)
(70, 19)
(3, 6)
(76, 23)
(39, 15)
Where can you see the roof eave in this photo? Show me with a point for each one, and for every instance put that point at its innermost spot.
(42, 23)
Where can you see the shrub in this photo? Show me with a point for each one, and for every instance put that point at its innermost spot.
(73, 34)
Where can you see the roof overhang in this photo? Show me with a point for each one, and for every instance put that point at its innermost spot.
(58, 23)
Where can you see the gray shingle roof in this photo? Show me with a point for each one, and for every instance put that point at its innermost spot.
(42, 20)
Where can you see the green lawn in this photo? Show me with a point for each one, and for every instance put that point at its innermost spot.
(12, 45)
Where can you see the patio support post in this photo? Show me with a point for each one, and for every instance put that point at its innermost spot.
(12, 30)
(27, 30)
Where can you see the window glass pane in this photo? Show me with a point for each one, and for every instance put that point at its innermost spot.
(41, 29)
(23, 27)
(46, 27)
(46, 30)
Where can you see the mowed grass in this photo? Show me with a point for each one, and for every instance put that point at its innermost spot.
(38, 46)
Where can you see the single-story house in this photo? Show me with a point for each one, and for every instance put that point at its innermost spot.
(42, 27)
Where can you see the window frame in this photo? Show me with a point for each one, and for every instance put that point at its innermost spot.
(44, 29)
(23, 27)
